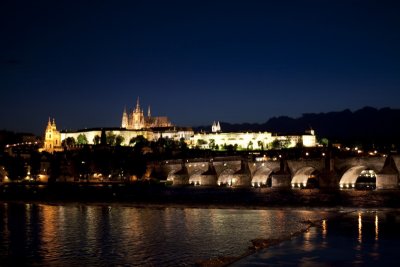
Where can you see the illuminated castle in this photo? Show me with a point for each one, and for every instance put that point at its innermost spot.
(135, 120)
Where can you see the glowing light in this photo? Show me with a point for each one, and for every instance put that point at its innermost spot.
(359, 228)
(376, 226)
(324, 228)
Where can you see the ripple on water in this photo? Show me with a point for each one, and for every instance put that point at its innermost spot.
(67, 235)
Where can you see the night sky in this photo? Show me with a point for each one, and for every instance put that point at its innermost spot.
(82, 62)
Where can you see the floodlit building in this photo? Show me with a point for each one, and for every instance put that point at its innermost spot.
(52, 138)
(135, 119)
(93, 135)
(218, 139)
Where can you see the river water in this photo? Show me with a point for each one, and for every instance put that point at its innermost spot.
(118, 234)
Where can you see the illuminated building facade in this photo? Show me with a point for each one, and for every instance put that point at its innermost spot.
(250, 140)
(172, 133)
(52, 138)
(135, 120)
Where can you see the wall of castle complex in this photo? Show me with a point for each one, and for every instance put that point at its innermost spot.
(129, 134)
(174, 135)
(261, 140)
(242, 140)
(309, 140)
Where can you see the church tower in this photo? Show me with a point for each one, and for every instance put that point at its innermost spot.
(138, 117)
(52, 138)
(216, 127)
(124, 123)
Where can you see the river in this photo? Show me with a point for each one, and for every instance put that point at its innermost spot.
(37, 234)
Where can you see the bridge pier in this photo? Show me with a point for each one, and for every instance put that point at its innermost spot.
(387, 181)
(282, 180)
(388, 177)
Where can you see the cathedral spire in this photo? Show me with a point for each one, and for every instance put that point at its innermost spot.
(148, 112)
(137, 105)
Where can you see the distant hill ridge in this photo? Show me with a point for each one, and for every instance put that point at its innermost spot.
(365, 125)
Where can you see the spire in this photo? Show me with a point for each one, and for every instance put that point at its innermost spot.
(137, 105)
(54, 122)
(49, 123)
(148, 112)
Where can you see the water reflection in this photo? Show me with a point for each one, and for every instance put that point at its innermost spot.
(116, 235)
(324, 228)
(376, 226)
(359, 228)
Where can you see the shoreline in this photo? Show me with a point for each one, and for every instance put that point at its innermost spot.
(248, 198)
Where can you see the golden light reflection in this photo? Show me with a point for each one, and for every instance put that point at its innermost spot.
(324, 229)
(359, 227)
(48, 219)
(376, 226)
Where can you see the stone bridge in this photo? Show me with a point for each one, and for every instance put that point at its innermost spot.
(241, 172)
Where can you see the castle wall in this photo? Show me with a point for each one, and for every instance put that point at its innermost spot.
(127, 135)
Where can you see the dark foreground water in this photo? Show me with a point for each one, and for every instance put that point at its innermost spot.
(118, 234)
(358, 238)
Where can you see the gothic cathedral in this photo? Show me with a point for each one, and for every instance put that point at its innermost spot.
(135, 120)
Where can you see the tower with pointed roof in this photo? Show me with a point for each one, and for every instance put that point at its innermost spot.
(135, 119)
(216, 127)
(52, 138)
(124, 123)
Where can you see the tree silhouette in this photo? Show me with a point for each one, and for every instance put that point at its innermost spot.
(82, 140)
(96, 140)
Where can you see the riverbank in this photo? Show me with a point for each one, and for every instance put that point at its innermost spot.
(156, 194)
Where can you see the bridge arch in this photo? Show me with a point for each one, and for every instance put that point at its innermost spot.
(262, 177)
(358, 177)
(170, 176)
(306, 177)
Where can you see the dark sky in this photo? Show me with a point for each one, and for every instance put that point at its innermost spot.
(195, 61)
